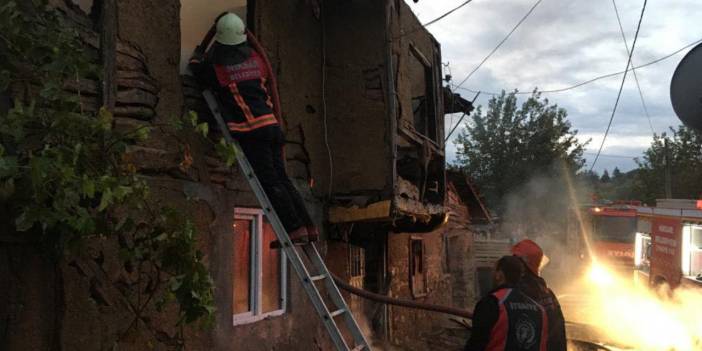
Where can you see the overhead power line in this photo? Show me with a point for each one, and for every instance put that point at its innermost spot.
(621, 87)
(636, 77)
(592, 80)
(420, 27)
(447, 13)
(500, 43)
(453, 129)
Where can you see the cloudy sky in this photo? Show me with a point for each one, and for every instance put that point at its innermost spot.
(565, 42)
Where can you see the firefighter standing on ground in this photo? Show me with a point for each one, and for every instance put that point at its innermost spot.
(535, 287)
(507, 319)
(238, 76)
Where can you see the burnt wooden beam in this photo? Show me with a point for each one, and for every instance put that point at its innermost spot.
(108, 52)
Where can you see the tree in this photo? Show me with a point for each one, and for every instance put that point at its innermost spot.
(685, 159)
(616, 173)
(605, 177)
(507, 145)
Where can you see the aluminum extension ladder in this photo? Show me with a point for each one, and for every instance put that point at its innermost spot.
(308, 277)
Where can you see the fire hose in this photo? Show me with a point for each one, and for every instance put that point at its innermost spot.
(587, 345)
(256, 45)
(399, 302)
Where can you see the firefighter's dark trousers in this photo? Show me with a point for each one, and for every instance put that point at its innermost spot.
(263, 148)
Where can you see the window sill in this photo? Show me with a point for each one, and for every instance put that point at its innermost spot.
(248, 318)
(692, 279)
(420, 139)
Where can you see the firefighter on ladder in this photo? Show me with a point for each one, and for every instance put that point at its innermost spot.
(238, 75)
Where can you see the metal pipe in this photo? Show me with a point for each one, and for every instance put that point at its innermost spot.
(399, 302)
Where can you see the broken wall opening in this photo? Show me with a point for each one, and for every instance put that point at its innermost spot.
(423, 94)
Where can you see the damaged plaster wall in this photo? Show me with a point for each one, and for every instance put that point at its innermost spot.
(449, 275)
(83, 302)
(356, 101)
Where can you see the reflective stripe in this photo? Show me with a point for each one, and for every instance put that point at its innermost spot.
(258, 122)
(268, 96)
(240, 101)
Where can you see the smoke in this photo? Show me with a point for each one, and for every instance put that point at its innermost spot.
(539, 210)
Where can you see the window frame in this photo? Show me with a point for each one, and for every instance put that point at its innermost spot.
(688, 249)
(413, 288)
(255, 313)
(431, 96)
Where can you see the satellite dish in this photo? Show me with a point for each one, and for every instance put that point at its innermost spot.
(686, 89)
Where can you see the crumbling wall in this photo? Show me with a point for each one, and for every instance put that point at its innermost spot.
(408, 327)
(356, 96)
(420, 187)
(449, 274)
(459, 241)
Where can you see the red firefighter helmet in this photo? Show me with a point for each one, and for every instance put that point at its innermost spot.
(531, 253)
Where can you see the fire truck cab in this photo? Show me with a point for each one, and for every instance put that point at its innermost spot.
(610, 228)
(668, 244)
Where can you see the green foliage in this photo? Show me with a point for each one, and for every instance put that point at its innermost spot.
(647, 182)
(63, 174)
(224, 150)
(685, 155)
(507, 145)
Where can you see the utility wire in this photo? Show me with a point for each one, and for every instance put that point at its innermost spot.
(423, 26)
(447, 13)
(636, 77)
(621, 87)
(592, 80)
(500, 43)
(487, 58)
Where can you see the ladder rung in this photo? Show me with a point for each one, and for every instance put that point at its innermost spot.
(337, 312)
(315, 278)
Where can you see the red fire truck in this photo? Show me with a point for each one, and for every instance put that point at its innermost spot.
(668, 244)
(610, 229)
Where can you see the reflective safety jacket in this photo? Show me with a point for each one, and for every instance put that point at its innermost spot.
(241, 89)
(521, 323)
(508, 320)
(535, 287)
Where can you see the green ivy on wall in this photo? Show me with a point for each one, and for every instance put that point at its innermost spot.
(63, 175)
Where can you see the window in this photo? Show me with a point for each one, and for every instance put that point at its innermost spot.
(357, 262)
(613, 228)
(196, 19)
(642, 252)
(417, 268)
(357, 274)
(258, 272)
(692, 250)
(423, 94)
